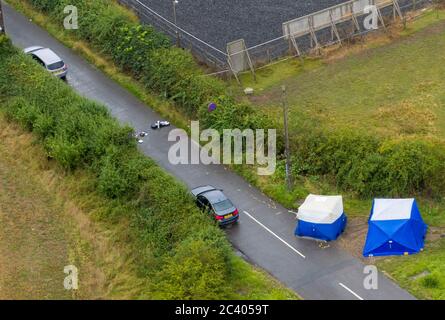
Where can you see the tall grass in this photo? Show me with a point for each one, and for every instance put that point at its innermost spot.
(359, 162)
(184, 253)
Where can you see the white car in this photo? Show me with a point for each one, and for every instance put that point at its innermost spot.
(49, 60)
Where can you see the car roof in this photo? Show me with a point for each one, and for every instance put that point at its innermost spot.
(46, 55)
(202, 189)
(215, 196)
(31, 49)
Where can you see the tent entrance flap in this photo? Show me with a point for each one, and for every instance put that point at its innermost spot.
(324, 231)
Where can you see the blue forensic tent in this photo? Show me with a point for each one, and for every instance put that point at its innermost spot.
(321, 217)
(395, 228)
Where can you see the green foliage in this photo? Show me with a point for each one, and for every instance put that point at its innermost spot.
(21, 111)
(141, 50)
(45, 5)
(193, 272)
(415, 165)
(229, 114)
(173, 73)
(358, 161)
(6, 48)
(166, 228)
(116, 180)
(430, 282)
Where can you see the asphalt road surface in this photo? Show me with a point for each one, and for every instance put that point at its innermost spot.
(265, 231)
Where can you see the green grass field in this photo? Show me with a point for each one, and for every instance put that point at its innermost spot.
(423, 274)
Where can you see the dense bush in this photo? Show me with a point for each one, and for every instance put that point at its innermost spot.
(190, 272)
(140, 49)
(229, 114)
(166, 228)
(357, 161)
(149, 56)
(371, 167)
(173, 73)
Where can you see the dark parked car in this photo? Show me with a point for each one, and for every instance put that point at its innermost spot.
(214, 202)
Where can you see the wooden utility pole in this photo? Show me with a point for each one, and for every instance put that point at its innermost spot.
(2, 21)
(178, 40)
(286, 137)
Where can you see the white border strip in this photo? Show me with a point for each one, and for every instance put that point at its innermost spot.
(270, 231)
(355, 294)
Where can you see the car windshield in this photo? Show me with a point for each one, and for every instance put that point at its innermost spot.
(56, 65)
(223, 205)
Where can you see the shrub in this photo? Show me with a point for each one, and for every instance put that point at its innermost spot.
(174, 74)
(373, 167)
(414, 166)
(359, 162)
(165, 227)
(121, 172)
(6, 49)
(229, 114)
(141, 50)
(22, 111)
(67, 153)
(196, 271)
(430, 282)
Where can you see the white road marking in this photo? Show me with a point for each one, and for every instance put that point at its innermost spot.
(271, 232)
(355, 294)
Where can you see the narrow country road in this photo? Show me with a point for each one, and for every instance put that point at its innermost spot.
(265, 232)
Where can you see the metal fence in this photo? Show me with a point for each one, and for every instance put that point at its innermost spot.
(238, 58)
(332, 17)
(329, 26)
(300, 36)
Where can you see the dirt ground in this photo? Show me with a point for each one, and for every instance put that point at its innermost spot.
(354, 237)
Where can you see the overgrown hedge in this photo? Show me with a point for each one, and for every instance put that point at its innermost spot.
(176, 246)
(150, 57)
(361, 163)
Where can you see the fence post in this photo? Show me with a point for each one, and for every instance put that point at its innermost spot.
(290, 39)
(2, 21)
(286, 136)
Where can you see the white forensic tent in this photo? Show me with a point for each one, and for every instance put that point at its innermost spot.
(321, 217)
